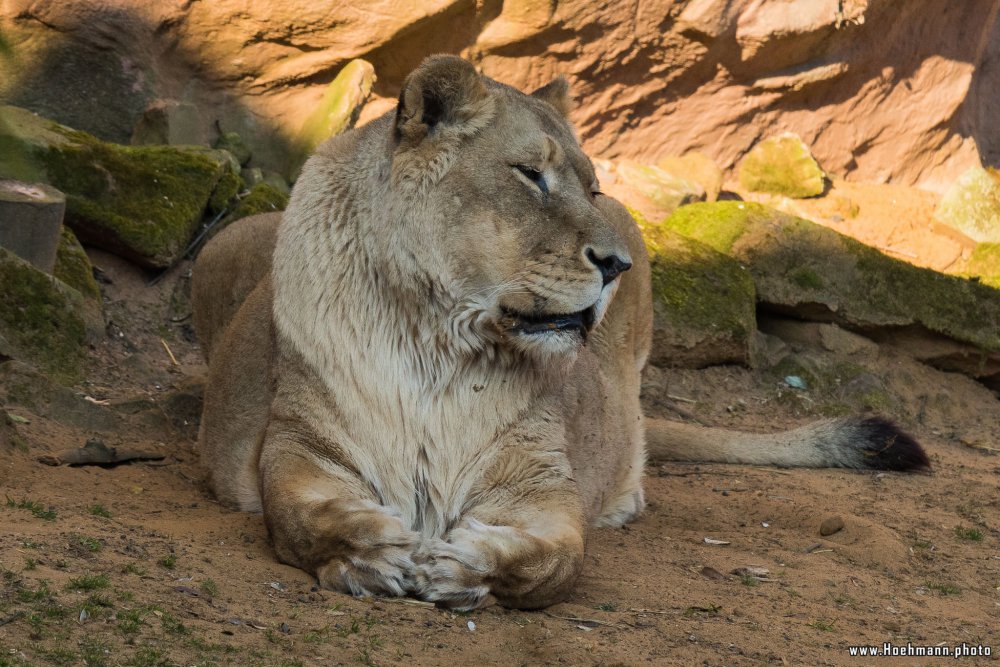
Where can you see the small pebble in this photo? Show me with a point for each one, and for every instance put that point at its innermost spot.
(831, 525)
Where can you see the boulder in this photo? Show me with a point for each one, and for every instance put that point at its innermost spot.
(169, 122)
(695, 167)
(813, 273)
(984, 264)
(141, 202)
(338, 109)
(42, 320)
(972, 205)
(31, 217)
(262, 198)
(782, 165)
(73, 267)
(651, 191)
(703, 302)
(233, 142)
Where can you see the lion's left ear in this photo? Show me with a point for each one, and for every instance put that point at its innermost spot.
(443, 92)
(556, 93)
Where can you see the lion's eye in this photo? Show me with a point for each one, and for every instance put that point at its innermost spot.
(533, 175)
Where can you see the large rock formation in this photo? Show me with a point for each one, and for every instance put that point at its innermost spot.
(142, 202)
(651, 78)
(809, 272)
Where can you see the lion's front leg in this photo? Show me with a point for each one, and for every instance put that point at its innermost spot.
(324, 519)
(520, 543)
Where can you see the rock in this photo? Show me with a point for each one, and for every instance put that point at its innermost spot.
(277, 181)
(813, 273)
(831, 525)
(233, 142)
(782, 165)
(23, 385)
(261, 198)
(972, 205)
(142, 202)
(73, 267)
(339, 107)
(696, 167)
(31, 217)
(984, 264)
(259, 68)
(651, 191)
(41, 319)
(169, 122)
(252, 176)
(703, 302)
(230, 184)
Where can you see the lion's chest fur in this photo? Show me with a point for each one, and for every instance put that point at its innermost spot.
(422, 445)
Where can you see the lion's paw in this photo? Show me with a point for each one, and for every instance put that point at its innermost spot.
(382, 565)
(454, 573)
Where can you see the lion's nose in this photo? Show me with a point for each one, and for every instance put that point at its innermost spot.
(610, 266)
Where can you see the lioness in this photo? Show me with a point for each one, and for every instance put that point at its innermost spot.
(434, 388)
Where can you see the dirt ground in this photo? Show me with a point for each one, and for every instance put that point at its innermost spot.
(138, 565)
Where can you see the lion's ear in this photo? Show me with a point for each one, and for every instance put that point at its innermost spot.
(444, 91)
(556, 93)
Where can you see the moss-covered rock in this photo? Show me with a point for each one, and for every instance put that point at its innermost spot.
(703, 302)
(696, 167)
(142, 202)
(226, 190)
(42, 320)
(338, 109)
(73, 267)
(984, 264)
(812, 272)
(782, 165)
(233, 142)
(972, 205)
(262, 198)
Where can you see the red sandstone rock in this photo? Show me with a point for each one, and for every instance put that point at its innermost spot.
(880, 90)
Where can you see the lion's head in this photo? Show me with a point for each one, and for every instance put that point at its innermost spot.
(503, 201)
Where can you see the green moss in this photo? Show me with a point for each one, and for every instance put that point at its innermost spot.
(41, 319)
(782, 166)
(700, 298)
(73, 266)
(143, 202)
(262, 198)
(857, 285)
(807, 278)
(984, 264)
(233, 142)
(225, 192)
(717, 224)
(341, 103)
(972, 205)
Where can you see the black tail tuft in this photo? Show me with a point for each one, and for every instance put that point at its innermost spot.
(888, 447)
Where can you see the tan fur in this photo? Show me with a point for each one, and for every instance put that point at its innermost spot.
(381, 394)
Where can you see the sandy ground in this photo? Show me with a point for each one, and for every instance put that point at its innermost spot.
(137, 565)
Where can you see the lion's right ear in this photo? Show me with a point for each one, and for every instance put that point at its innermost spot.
(444, 92)
(556, 93)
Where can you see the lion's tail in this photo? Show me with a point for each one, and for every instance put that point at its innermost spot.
(871, 443)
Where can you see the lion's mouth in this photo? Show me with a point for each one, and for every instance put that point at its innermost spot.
(532, 324)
